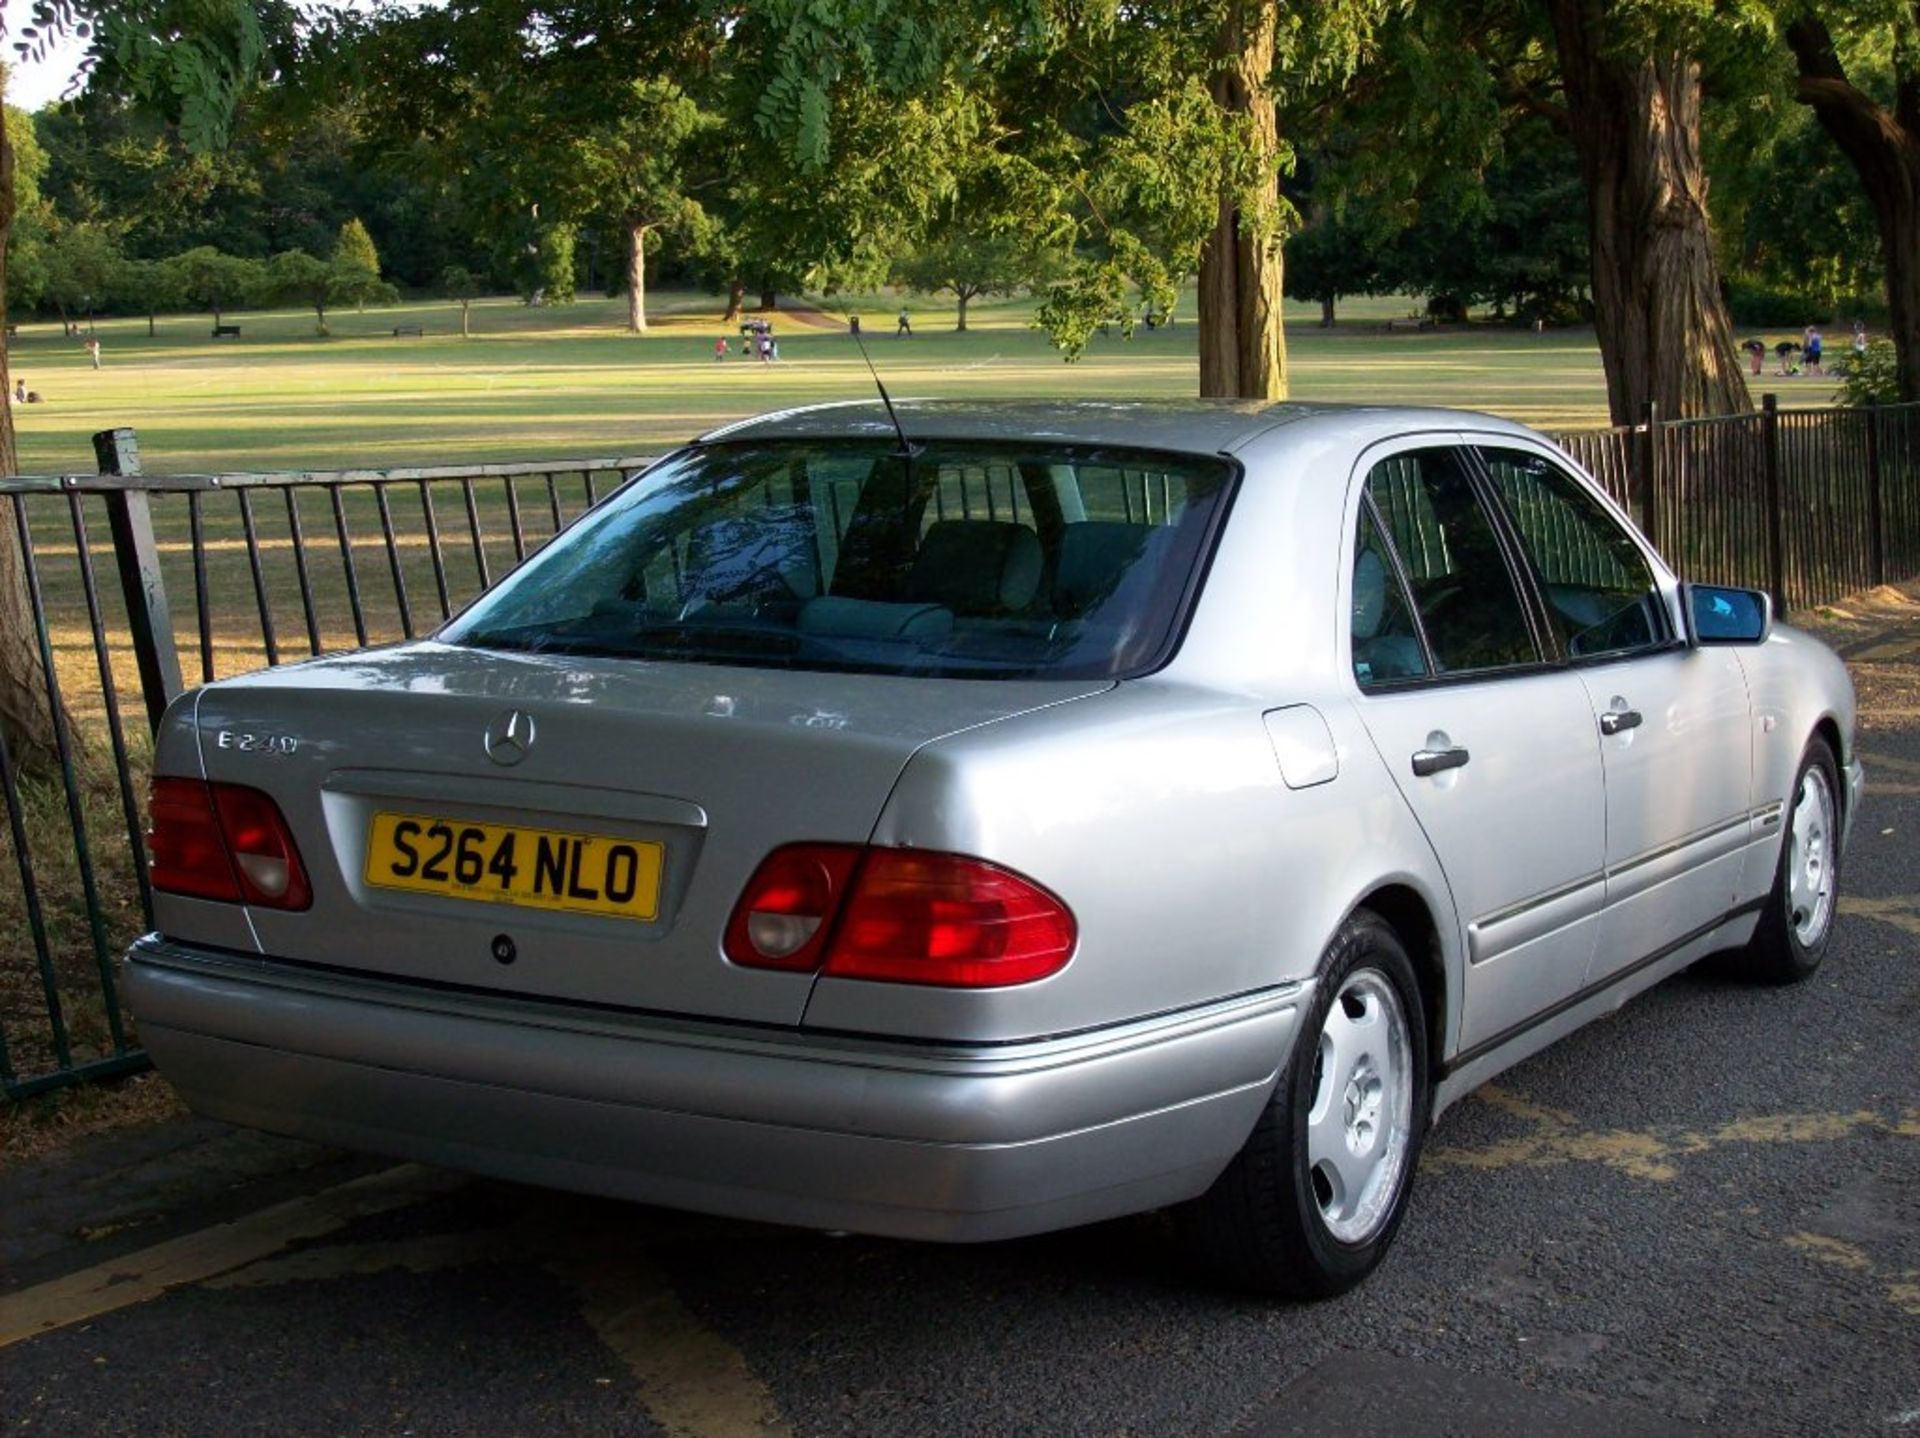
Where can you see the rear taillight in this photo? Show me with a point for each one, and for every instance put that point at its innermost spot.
(782, 920)
(907, 916)
(225, 842)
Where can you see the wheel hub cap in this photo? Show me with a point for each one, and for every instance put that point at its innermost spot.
(1810, 871)
(1360, 1113)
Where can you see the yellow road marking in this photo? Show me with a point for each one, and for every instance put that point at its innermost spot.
(692, 1381)
(1837, 1252)
(1902, 913)
(344, 1260)
(1887, 761)
(196, 1257)
(1903, 1291)
(1557, 1137)
(1892, 649)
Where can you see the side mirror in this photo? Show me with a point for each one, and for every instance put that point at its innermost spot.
(1720, 614)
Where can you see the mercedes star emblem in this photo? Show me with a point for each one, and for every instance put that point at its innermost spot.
(509, 737)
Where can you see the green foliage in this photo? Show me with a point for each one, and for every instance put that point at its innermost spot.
(1872, 378)
(218, 282)
(149, 286)
(551, 272)
(294, 276)
(29, 160)
(457, 282)
(354, 249)
(82, 262)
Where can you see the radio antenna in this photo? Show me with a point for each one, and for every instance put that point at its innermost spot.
(908, 449)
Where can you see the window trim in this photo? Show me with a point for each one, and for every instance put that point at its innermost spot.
(1546, 655)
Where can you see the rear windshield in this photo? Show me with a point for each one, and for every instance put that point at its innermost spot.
(983, 561)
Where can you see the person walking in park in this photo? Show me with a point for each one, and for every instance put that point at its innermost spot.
(1859, 339)
(1813, 351)
(720, 348)
(93, 351)
(905, 327)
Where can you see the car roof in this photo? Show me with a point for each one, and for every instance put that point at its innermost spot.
(1194, 426)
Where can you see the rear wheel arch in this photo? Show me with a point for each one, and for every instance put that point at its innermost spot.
(1407, 912)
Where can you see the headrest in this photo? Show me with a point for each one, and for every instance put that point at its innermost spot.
(977, 567)
(1369, 593)
(1094, 556)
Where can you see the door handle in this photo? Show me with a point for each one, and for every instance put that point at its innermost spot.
(1435, 761)
(1618, 721)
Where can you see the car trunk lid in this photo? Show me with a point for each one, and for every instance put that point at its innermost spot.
(681, 776)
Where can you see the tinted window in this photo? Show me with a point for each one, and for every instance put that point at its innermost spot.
(1462, 586)
(1386, 645)
(973, 560)
(1599, 587)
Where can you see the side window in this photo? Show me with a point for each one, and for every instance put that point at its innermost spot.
(1600, 589)
(1386, 646)
(1469, 607)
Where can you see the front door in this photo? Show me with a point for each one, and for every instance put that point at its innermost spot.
(1672, 722)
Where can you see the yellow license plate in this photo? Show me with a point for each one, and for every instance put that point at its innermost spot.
(502, 864)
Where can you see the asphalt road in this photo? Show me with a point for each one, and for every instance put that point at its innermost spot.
(1699, 1216)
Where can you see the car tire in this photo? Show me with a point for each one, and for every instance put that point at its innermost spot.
(1280, 1219)
(1796, 925)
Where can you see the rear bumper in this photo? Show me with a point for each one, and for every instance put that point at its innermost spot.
(920, 1141)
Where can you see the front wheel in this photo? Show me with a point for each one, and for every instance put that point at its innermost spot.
(1797, 923)
(1309, 1206)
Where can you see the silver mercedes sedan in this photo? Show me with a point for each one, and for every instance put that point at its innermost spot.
(999, 819)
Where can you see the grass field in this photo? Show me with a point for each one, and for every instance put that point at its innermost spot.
(566, 382)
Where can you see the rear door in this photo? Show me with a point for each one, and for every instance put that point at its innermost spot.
(1672, 722)
(1494, 749)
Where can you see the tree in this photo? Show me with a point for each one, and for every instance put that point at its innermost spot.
(632, 169)
(295, 275)
(354, 249)
(1632, 108)
(1880, 140)
(150, 286)
(460, 285)
(189, 59)
(216, 282)
(82, 262)
(1002, 226)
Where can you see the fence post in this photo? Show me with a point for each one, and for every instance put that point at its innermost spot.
(1776, 503)
(1876, 500)
(130, 518)
(1648, 480)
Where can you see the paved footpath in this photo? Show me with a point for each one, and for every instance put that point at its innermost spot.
(1699, 1216)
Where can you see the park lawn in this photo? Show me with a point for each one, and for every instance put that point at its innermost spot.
(567, 382)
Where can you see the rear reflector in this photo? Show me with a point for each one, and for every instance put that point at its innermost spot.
(899, 916)
(225, 842)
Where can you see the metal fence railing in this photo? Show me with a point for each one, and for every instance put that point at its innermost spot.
(216, 575)
(211, 575)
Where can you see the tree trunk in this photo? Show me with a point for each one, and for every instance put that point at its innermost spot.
(25, 715)
(962, 296)
(1326, 311)
(150, 329)
(463, 320)
(1884, 148)
(736, 301)
(1243, 349)
(769, 300)
(637, 278)
(1663, 328)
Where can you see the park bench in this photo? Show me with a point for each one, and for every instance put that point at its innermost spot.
(399, 330)
(1409, 322)
(226, 332)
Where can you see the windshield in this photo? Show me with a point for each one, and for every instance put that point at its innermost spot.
(974, 560)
